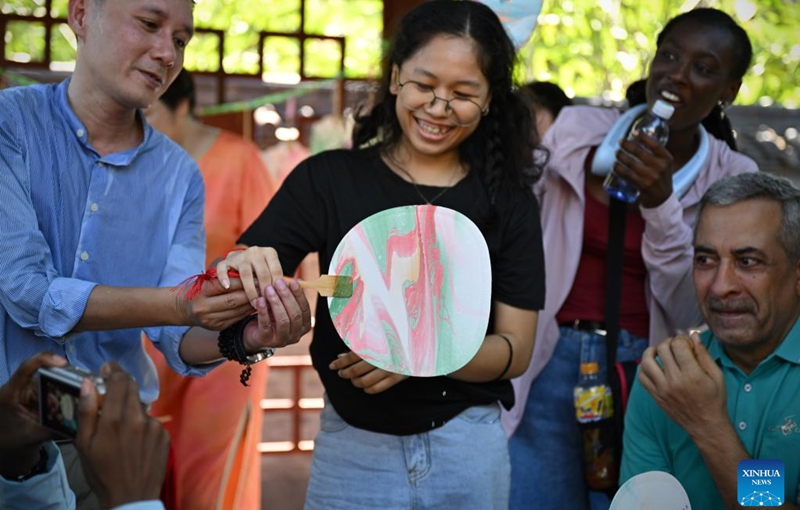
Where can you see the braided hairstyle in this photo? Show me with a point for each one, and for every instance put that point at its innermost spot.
(500, 150)
(717, 122)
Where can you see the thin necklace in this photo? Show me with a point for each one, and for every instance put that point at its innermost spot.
(416, 187)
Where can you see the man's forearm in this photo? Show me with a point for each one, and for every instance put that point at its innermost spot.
(722, 451)
(112, 308)
(141, 307)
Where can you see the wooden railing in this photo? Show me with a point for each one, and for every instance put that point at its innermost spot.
(296, 405)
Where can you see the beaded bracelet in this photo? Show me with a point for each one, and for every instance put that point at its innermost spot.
(231, 345)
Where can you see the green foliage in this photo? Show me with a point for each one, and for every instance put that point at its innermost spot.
(359, 21)
(24, 7)
(281, 56)
(25, 41)
(204, 53)
(590, 47)
(63, 43)
(597, 48)
(58, 8)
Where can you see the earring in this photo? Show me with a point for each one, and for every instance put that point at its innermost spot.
(722, 104)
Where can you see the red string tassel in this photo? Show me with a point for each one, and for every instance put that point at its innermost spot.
(192, 286)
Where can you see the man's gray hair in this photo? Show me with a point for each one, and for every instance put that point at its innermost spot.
(748, 186)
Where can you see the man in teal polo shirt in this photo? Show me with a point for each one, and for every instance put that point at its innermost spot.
(705, 403)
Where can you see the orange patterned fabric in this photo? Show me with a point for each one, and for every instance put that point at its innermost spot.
(214, 421)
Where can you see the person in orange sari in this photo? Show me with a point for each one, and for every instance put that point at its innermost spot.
(214, 421)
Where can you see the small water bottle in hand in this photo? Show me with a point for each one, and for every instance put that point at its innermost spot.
(654, 125)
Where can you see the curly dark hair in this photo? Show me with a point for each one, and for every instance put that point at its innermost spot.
(500, 151)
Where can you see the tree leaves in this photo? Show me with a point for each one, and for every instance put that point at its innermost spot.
(590, 47)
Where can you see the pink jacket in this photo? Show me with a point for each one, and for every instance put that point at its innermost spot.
(666, 244)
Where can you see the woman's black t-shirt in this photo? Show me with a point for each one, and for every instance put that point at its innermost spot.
(328, 194)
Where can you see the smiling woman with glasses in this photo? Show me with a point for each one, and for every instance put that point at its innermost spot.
(414, 95)
(447, 129)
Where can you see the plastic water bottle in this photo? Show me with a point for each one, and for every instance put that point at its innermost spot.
(654, 125)
(594, 410)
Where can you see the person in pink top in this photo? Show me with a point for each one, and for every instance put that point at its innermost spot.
(214, 421)
(700, 59)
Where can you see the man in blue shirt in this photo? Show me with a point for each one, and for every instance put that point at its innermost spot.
(705, 403)
(100, 215)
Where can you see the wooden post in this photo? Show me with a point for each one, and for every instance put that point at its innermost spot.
(393, 12)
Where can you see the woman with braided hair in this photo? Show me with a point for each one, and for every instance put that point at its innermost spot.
(447, 129)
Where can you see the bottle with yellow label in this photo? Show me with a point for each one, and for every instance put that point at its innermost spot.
(594, 411)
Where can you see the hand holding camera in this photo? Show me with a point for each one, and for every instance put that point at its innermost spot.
(123, 451)
(59, 397)
(21, 436)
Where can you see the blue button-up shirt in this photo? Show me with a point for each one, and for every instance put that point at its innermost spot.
(71, 219)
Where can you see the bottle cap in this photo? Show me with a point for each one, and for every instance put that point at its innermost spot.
(589, 368)
(663, 109)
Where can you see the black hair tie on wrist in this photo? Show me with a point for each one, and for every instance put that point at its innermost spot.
(510, 356)
(231, 345)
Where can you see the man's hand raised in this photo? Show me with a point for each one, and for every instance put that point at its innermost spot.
(686, 383)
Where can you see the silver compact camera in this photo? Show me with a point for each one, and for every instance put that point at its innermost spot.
(59, 395)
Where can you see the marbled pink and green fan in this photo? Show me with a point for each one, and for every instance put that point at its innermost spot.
(421, 290)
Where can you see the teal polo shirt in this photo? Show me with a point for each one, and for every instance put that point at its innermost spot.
(764, 408)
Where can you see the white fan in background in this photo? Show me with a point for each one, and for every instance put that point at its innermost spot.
(653, 490)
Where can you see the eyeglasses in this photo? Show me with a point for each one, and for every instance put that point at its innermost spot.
(414, 96)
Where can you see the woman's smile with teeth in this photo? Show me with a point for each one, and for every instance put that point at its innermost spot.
(433, 129)
(669, 96)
